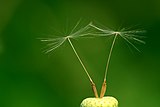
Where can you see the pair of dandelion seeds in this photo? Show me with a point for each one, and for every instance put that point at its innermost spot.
(92, 30)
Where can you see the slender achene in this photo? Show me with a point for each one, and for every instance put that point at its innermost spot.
(104, 86)
(90, 79)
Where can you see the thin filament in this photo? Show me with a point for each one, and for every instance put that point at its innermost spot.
(103, 89)
(109, 57)
(80, 60)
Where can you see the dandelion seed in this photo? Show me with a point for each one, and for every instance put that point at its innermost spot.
(127, 35)
(54, 43)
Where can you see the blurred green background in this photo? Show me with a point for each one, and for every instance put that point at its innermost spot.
(30, 78)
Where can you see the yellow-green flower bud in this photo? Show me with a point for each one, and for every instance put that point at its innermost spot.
(107, 101)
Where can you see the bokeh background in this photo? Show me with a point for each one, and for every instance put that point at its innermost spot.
(30, 78)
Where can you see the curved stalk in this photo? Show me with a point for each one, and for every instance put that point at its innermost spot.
(103, 89)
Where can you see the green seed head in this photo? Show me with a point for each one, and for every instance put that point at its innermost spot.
(100, 102)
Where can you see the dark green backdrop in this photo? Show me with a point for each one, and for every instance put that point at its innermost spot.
(30, 78)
